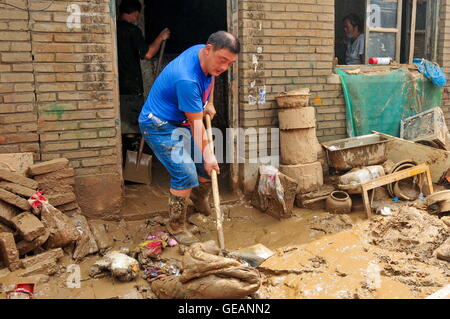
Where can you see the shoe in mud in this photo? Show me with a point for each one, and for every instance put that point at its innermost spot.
(177, 220)
(200, 198)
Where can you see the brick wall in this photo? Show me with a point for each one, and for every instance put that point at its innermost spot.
(444, 53)
(293, 43)
(59, 96)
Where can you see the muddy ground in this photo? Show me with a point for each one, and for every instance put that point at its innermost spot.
(317, 255)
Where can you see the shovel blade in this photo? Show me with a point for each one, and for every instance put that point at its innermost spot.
(138, 172)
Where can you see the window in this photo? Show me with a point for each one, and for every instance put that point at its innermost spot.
(387, 26)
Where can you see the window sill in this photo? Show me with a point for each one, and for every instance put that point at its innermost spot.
(367, 69)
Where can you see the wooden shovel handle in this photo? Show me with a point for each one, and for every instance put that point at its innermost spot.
(215, 189)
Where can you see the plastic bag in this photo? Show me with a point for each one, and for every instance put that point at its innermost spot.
(270, 186)
(432, 71)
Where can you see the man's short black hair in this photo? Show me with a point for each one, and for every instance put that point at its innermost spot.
(224, 40)
(130, 6)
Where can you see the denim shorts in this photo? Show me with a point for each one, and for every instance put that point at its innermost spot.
(174, 147)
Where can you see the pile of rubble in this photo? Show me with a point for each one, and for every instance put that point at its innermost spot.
(40, 215)
(56, 178)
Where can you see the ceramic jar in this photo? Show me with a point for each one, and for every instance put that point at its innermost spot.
(339, 202)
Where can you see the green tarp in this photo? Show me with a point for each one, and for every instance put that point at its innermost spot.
(379, 101)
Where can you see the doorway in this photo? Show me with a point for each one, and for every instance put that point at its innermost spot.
(190, 22)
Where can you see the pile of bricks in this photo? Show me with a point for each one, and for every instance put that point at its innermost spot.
(21, 230)
(56, 178)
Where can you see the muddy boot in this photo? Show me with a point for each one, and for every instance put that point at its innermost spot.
(200, 198)
(177, 220)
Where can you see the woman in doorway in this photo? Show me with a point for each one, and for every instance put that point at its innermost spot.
(354, 40)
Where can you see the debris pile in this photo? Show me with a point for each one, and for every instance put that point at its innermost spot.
(208, 275)
(37, 222)
(410, 230)
(56, 178)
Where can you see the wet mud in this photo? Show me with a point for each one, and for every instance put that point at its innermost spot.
(317, 254)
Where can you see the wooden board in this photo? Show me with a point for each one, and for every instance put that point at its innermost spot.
(398, 149)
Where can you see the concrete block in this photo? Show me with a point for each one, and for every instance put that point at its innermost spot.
(28, 225)
(297, 118)
(8, 251)
(48, 166)
(13, 199)
(6, 175)
(308, 176)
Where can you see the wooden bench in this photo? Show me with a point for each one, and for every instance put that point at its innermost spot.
(421, 169)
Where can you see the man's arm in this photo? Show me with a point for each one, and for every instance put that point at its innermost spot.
(201, 141)
(156, 44)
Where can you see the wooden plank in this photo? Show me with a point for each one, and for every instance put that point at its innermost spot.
(413, 31)
(384, 30)
(366, 39)
(399, 30)
(398, 149)
(388, 179)
(395, 177)
(233, 96)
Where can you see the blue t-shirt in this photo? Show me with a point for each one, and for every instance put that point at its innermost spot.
(181, 87)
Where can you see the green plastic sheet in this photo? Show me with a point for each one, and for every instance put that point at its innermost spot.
(379, 101)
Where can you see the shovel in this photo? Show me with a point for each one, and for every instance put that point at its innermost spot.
(138, 166)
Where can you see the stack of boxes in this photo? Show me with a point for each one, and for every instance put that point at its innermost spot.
(298, 141)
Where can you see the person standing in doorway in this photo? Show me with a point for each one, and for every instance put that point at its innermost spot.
(175, 107)
(131, 48)
(354, 40)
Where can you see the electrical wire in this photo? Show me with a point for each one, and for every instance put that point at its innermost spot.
(26, 9)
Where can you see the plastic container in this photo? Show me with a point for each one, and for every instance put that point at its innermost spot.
(380, 60)
(362, 175)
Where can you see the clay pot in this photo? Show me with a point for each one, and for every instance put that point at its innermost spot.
(339, 202)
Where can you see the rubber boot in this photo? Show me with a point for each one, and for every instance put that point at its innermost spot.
(177, 220)
(200, 198)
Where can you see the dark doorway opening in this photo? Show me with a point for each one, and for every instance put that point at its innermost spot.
(190, 22)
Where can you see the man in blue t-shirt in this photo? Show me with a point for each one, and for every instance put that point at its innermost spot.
(171, 122)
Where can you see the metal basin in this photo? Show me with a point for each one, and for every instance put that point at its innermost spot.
(357, 151)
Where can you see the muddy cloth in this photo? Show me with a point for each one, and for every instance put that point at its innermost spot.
(206, 275)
